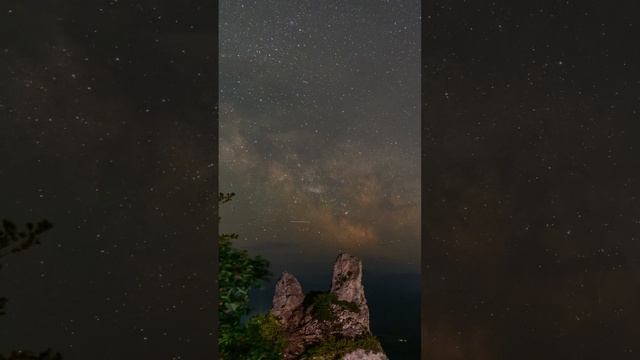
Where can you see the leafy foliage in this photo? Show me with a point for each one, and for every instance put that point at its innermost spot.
(238, 273)
(335, 348)
(260, 337)
(320, 304)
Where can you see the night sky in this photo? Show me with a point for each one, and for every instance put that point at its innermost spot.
(320, 140)
(107, 129)
(530, 180)
(319, 130)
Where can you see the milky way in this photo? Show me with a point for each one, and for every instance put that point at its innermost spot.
(319, 129)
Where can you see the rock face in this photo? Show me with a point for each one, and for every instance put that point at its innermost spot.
(346, 284)
(315, 318)
(287, 301)
(365, 355)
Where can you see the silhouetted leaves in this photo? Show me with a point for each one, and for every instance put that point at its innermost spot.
(12, 240)
(224, 198)
(26, 355)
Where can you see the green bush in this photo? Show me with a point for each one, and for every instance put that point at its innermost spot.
(320, 304)
(335, 348)
(265, 338)
(348, 305)
(259, 337)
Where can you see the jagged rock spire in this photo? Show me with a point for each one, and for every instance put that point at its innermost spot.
(346, 282)
(287, 300)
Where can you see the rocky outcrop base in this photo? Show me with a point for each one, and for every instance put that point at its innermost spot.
(365, 355)
(340, 316)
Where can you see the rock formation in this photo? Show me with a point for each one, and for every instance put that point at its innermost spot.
(346, 284)
(330, 325)
(288, 300)
(364, 355)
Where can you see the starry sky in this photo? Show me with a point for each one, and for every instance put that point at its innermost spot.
(319, 130)
(107, 129)
(530, 179)
(320, 140)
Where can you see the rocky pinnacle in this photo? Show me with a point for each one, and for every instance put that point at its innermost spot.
(287, 301)
(346, 283)
(348, 310)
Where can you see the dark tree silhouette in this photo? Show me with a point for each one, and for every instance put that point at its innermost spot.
(25, 355)
(12, 241)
